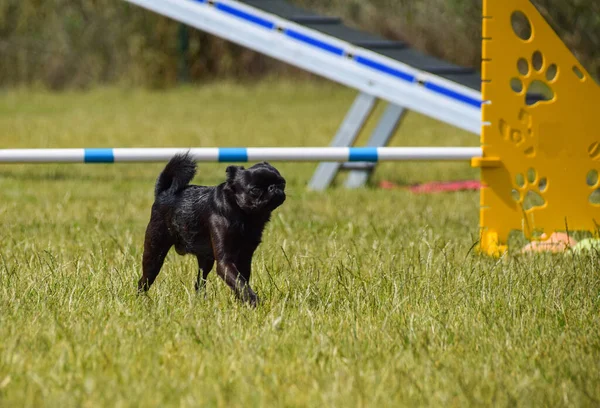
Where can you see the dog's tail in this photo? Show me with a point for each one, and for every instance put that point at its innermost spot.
(177, 174)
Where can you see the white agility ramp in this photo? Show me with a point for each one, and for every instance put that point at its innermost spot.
(329, 57)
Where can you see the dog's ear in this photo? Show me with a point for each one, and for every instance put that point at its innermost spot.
(232, 171)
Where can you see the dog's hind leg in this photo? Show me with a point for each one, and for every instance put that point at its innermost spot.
(205, 265)
(156, 247)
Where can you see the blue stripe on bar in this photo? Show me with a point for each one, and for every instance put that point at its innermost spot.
(453, 94)
(384, 68)
(245, 16)
(368, 154)
(314, 42)
(199, 1)
(98, 156)
(233, 154)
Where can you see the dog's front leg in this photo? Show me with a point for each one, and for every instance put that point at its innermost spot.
(228, 271)
(226, 245)
(204, 268)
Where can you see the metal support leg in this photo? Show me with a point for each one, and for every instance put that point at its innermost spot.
(389, 122)
(347, 133)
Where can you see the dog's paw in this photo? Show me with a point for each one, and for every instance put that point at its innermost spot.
(253, 300)
(250, 298)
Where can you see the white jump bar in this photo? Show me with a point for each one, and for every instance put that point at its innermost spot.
(243, 154)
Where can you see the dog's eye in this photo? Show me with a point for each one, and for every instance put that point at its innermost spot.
(255, 191)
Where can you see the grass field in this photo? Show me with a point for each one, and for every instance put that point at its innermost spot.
(370, 297)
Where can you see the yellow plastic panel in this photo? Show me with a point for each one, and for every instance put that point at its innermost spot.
(549, 151)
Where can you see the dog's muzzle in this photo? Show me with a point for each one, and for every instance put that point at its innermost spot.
(277, 194)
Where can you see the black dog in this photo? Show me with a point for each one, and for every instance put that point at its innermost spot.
(223, 223)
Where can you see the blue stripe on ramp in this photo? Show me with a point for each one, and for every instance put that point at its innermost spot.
(233, 154)
(245, 16)
(296, 35)
(98, 156)
(368, 154)
(368, 62)
(453, 94)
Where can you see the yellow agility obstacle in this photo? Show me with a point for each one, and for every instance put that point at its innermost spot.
(540, 161)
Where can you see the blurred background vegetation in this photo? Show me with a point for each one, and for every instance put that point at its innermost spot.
(81, 43)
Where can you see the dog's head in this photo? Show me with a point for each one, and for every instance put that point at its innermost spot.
(257, 190)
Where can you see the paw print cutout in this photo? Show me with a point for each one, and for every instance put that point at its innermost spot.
(594, 151)
(534, 83)
(521, 134)
(593, 182)
(529, 190)
(535, 79)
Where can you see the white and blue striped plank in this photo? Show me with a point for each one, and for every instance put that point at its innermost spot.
(337, 50)
(331, 57)
(241, 154)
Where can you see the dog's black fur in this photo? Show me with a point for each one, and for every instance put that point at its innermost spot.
(223, 223)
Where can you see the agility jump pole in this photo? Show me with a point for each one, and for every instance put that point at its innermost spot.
(247, 154)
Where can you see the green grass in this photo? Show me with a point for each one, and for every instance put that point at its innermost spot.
(370, 297)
